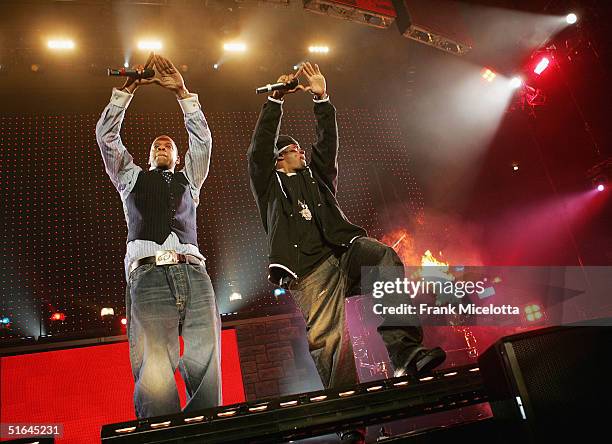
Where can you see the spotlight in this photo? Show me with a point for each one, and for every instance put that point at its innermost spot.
(126, 65)
(571, 18)
(296, 67)
(58, 316)
(488, 74)
(601, 187)
(235, 296)
(106, 311)
(123, 321)
(516, 82)
(515, 166)
(216, 66)
(279, 292)
(234, 47)
(60, 44)
(318, 49)
(149, 45)
(541, 66)
(5, 321)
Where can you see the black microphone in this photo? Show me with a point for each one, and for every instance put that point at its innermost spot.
(277, 86)
(129, 72)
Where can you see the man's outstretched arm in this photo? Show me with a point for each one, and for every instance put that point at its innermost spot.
(118, 162)
(197, 158)
(324, 159)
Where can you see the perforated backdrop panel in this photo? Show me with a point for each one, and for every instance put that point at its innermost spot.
(64, 229)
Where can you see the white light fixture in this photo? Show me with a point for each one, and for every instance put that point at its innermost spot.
(318, 49)
(60, 44)
(234, 47)
(150, 45)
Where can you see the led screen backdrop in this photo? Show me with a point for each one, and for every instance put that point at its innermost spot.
(64, 229)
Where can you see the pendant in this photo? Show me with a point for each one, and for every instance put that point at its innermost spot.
(306, 214)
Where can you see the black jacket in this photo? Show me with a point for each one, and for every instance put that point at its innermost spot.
(275, 210)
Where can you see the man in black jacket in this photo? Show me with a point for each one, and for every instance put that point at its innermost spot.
(315, 251)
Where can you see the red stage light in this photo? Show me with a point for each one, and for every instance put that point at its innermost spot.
(58, 316)
(541, 66)
(600, 187)
(123, 321)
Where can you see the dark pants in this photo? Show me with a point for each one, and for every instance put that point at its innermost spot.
(320, 296)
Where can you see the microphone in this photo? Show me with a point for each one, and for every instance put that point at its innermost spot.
(129, 72)
(277, 86)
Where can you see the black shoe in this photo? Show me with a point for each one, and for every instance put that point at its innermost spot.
(422, 363)
(352, 437)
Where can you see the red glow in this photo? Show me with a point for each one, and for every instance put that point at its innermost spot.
(541, 66)
(31, 384)
(600, 187)
(57, 316)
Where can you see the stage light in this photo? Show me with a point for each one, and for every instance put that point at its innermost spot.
(235, 296)
(234, 47)
(58, 316)
(571, 18)
(318, 49)
(216, 66)
(150, 45)
(515, 166)
(123, 321)
(5, 321)
(126, 65)
(541, 66)
(533, 312)
(516, 82)
(601, 187)
(295, 67)
(60, 44)
(106, 311)
(488, 74)
(279, 292)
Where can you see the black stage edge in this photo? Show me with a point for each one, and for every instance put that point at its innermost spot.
(309, 414)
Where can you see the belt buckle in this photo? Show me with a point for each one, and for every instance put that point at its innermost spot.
(166, 257)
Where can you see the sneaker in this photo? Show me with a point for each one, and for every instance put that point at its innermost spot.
(422, 363)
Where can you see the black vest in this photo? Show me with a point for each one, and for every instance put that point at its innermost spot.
(156, 208)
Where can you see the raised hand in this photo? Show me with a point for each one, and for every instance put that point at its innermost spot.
(278, 94)
(316, 80)
(131, 84)
(170, 77)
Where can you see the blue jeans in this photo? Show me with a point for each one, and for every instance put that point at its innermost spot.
(161, 303)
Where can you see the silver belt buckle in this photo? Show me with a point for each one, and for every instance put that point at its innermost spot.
(166, 257)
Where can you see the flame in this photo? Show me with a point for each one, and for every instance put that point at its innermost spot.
(430, 259)
(402, 241)
(439, 268)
